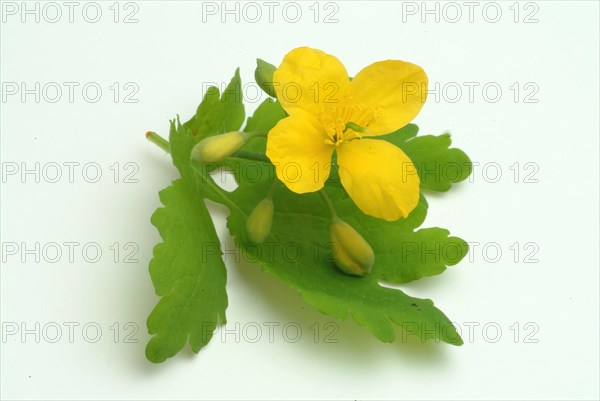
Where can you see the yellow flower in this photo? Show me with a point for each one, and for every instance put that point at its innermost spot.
(329, 112)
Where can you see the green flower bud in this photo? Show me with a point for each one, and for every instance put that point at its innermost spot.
(351, 253)
(259, 222)
(264, 76)
(216, 148)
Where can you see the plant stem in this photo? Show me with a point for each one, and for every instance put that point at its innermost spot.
(216, 190)
(158, 141)
(253, 134)
(244, 154)
(272, 188)
(240, 154)
(327, 201)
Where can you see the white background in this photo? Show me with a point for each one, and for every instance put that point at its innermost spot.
(534, 326)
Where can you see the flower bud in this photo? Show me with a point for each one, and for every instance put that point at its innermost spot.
(259, 222)
(264, 76)
(216, 148)
(351, 253)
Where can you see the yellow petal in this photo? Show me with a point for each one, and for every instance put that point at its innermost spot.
(395, 89)
(297, 149)
(310, 80)
(379, 177)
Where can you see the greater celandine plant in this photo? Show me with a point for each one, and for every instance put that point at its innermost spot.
(330, 175)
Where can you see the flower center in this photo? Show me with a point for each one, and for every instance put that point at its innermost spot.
(346, 122)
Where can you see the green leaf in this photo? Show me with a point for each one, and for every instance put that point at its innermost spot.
(409, 257)
(438, 165)
(186, 268)
(187, 272)
(402, 253)
(218, 113)
(268, 113)
(404, 134)
(298, 252)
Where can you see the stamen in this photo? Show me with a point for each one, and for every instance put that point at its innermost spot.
(346, 122)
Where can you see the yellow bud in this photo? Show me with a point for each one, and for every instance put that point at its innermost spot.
(216, 148)
(259, 222)
(352, 254)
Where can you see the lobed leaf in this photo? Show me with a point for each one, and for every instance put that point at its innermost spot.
(298, 252)
(438, 165)
(187, 270)
(188, 274)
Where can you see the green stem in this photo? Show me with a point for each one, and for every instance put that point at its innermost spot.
(218, 191)
(158, 141)
(245, 154)
(272, 188)
(215, 189)
(240, 154)
(253, 134)
(327, 201)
